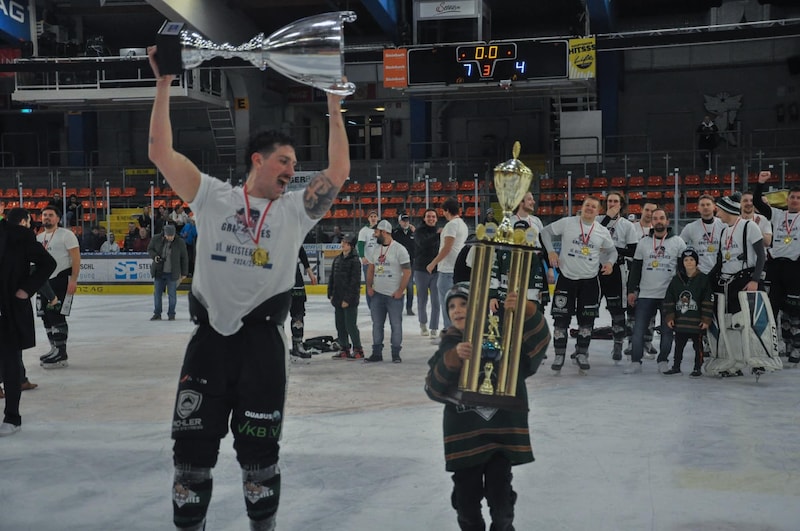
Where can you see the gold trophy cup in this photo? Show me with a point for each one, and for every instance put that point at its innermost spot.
(496, 350)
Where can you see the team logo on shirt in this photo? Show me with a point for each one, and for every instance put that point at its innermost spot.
(686, 302)
(239, 226)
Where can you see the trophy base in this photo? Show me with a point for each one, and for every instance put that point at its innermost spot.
(168, 55)
(514, 403)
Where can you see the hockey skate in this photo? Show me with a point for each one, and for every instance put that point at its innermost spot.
(57, 360)
(558, 363)
(582, 360)
(616, 354)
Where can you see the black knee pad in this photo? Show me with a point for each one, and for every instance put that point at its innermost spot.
(262, 490)
(191, 494)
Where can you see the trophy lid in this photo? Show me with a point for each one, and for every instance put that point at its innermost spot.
(513, 166)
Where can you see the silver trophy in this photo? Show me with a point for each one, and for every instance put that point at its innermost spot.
(309, 51)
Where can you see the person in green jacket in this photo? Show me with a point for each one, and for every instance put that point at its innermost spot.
(482, 444)
(688, 310)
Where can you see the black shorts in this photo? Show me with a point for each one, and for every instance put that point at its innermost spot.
(611, 288)
(576, 297)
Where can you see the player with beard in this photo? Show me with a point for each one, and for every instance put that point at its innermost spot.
(586, 249)
(642, 229)
(749, 212)
(703, 234)
(784, 294)
(62, 244)
(654, 265)
(625, 239)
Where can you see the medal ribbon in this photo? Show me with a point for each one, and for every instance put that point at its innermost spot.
(46, 242)
(382, 257)
(257, 236)
(786, 223)
(729, 240)
(657, 248)
(585, 239)
(710, 237)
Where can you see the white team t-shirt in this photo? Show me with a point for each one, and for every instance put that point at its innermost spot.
(457, 229)
(785, 225)
(367, 235)
(58, 245)
(704, 238)
(732, 250)
(226, 281)
(659, 264)
(584, 248)
(388, 270)
(622, 231)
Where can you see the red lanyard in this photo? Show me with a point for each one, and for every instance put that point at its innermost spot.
(585, 239)
(257, 236)
(45, 241)
(713, 230)
(786, 223)
(382, 257)
(729, 242)
(659, 250)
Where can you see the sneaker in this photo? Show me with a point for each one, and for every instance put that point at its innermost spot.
(673, 370)
(28, 385)
(343, 355)
(373, 359)
(410, 312)
(583, 362)
(663, 367)
(52, 351)
(435, 339)
(155, 318)
(300, 354)
(7, 429)
(634, 368)
(649, 351)
(56, 361)
(558, 362)
(616, 354)
(696, 374)
(396, 359)
(794, 357)
(423, 329)
(171, 318)
(358, 354)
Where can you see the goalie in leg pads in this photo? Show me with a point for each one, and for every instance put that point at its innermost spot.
(743, 335)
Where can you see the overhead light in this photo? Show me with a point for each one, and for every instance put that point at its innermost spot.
(380, 109)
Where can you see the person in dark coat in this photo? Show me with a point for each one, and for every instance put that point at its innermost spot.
(18, 283)
(170, 267)
(344, 291)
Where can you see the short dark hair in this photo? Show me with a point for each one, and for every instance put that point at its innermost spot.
(17, 214)
(265, 142)
(451, 205)
(54, 208)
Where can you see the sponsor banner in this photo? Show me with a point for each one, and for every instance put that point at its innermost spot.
(395, 68)
(15, 20)
(124, 268)
(437, 9)
(582, 58)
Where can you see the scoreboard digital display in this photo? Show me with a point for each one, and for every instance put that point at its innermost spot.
(492, 62)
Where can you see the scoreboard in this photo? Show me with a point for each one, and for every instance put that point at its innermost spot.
(454, 64)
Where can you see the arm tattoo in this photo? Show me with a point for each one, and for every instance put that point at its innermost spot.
(319, 195)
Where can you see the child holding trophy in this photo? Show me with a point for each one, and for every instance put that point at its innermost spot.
(482, 443)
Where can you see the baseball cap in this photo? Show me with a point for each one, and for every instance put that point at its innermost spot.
(384, 226)
(404, 217)
(169, 230)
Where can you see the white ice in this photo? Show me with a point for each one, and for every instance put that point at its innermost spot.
(362, 445)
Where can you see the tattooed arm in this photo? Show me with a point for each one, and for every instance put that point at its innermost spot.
(324, 186)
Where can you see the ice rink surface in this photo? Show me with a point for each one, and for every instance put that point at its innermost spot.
(362, 444)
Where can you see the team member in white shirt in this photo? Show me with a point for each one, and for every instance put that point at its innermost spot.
(451, 241)
(63, 246)
(642, 229)
(612, 286)
(234, 369)
(654, 265)
(586, 249)
(366, 243)
(388, 274)
(749, 212)
(703, 234)
(784, 264)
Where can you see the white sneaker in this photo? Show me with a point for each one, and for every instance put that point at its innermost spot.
(434, 336)
(649, 351)
(7, 429)
(663, 367)
(634, 368)
(423, 329)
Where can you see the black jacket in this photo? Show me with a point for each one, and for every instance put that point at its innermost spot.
(345, 281)
(426, 245)
(18, 250)
(179, 255)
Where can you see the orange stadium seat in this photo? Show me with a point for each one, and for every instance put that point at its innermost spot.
(655, 180)
(401, 187)
(387, 187)
(619, 182)
(562, 183)
(369, 188)
(467, 186)
(634, 209)
(546, 184)
(711, 178)
(40, 192)
(671, 180)
(693, 194)
(84, 192)
(436, 186)
(599, 182)
(352, 188)
(691, 180)
(451, 186)
(637, 181)
(418, 186)
(544, 211)
(582, 182)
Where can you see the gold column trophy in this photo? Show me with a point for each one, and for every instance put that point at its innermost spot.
(309, 51)
(489, 377)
